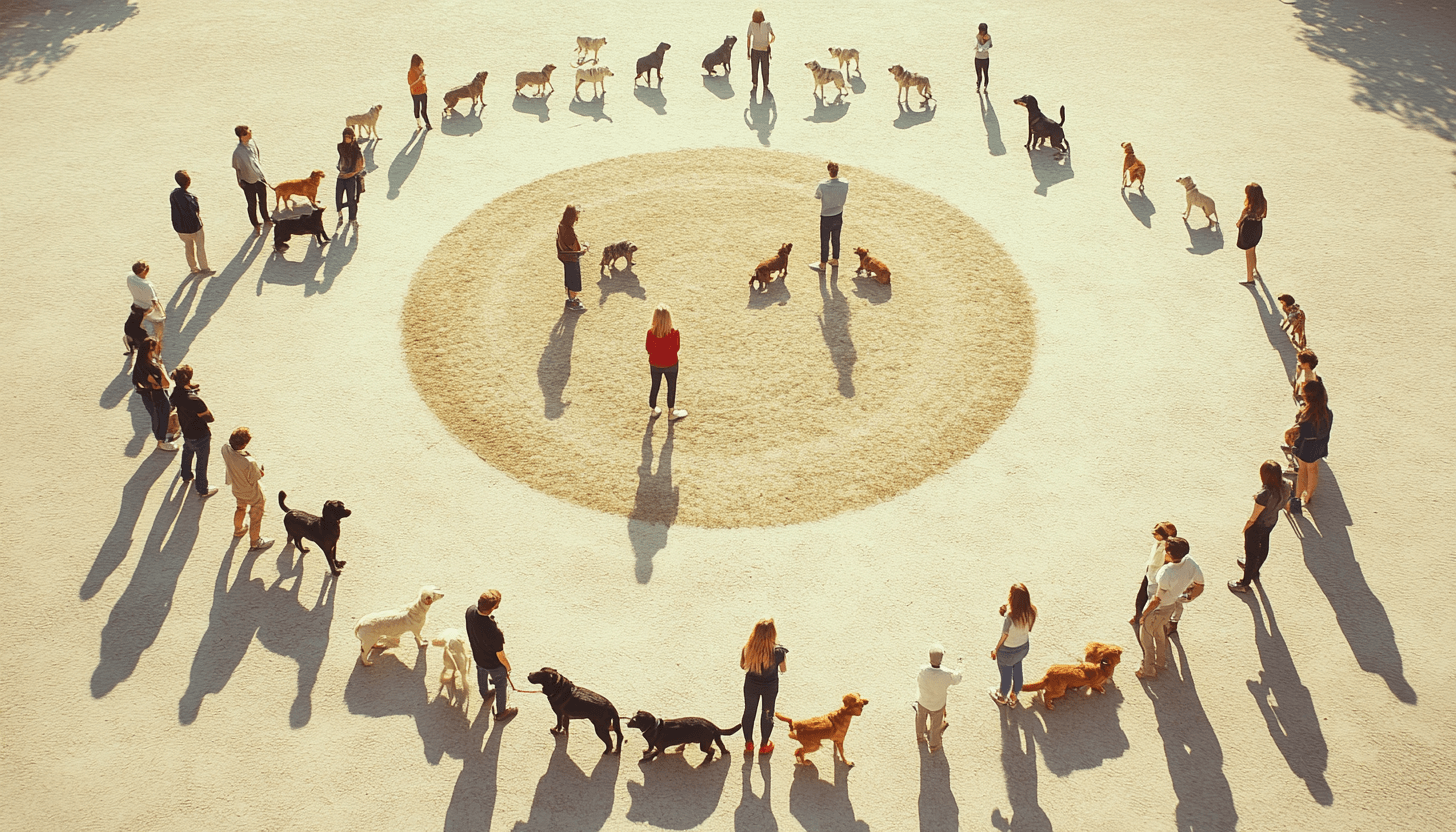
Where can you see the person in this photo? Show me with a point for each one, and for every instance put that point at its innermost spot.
(248, 165)
(934, 683)
(243, 473)
(150, 380)
(418, 92)
(1309, 440)
(762, 659)
(1267, 502)
(1251, 228)
(831, 193)
(983, 59)
(760, 39)
(1175, 580)
(1304, 372)
(569, 251)
(351, 165)
(1293, 322)
(1019, 616)
(193, 417)
(144, 305)
(488, 646)
(662, 346)
(1156, 558)
(187, 222)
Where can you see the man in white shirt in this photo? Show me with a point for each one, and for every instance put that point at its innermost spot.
(144, 303)
(934, 682)
(248, 165)
(1176, 582)
(831, 193)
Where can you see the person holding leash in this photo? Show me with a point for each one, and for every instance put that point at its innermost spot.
(488, 646)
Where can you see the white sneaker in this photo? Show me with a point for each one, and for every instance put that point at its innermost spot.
(166, 446)
(656, 411)
(263, 543)
(679, 413)
(208, 493)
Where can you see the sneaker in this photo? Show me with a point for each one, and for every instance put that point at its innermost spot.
(817, 267)
(656, 411)
(208, 272)
(677, 414)
(1294, 506)
(263, 543)
(208, 493)
(502, 716)
(766, 748)
(166, 446)
(1238, 587)
(834, 261)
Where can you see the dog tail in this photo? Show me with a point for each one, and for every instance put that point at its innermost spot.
(1059, 124)
(1034, 685)
(437, 641)
(281, 504)
(778, 715)
(730, 732)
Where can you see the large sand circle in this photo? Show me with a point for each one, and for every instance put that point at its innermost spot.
(822, 395)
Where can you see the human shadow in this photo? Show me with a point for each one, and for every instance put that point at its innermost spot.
(818, 805)
(1271, 317)
(1195, 757)
(567, 800)
(827, 110)
(910, 117)
(834, 327)
(1048, 170)
(405, 161)
(392, 688)
(761, 115)
(592, 107)
(872, 290)
(719, 85)
(538, 106)
(675, 794)
(209, 294)
(652, 97)
(755, 812)
(774, 294)
(654, 509)
(1141, 207)
(337, 256)
(554, 368)
(1082, 733)
(993, 127)
(472, 806)
(37, 36)
(142, 608)
(456, 123)
(619, 282)
(1018, 766)
(1324, 535)
(1205, 240)
(118, 541)
(938, 808)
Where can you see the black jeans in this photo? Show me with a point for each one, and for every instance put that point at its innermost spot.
(1256, 551)
(1142, 598)
(753, 691)
(159, 408)
(657, 374)
(829, 233)
(350, 188)
(257, 194)
(422, 107)
(983, 71)
(758, 60)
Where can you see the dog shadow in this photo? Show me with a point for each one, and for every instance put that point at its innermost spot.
(455, 123)
(405, 161)
(761, 116)
(655, 506)
(872, 290)
(567, 800)
(818, 805)
(1082, 733)
(834, 327)
(392, 688)
(774, 294)
(1205, 240)
(1018, 766)
(592, 107)
(118, 541)
(367, 149)
(538, 106)
(719, 85)
(472, 806)
(993, 127)
(1192, 749)
(1271, 317)
(756, 811)
(553, 371)
(827, 110)
(209, 293)
(909, 116)
(675, 794)
(652, 97)
(1048, 170)
(619, 282)
(1141, 207)
(939, 811)
(856, 83)
(280, 271)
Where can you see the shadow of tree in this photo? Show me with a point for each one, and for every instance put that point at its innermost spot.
(1195, 758)
(1141, 207)
(755, 812)
(36, 36)
(760, 115)
(567, 800)
(655, 506)
(1018, 765)
(675, 794)
(834, 327)
(625, 282)
(939, 811)
(818, 805)
(554, 368)
(993, 127)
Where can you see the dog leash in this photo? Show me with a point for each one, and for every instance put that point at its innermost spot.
(518, 690)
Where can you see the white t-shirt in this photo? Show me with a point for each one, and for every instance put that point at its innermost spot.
(142, 291)
(758, 35)
(1175, 578)
(934, 683)
(832, 194)
(983, 50)
(1155, 562)
(1016, 635)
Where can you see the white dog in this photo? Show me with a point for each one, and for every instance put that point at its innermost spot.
(375, 630)
(455, 670)
(595, 75)
(823, 75)
(1197, 197)
(592, 45)
(363, 120)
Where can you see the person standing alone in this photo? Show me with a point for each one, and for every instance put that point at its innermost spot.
(760, 40)
(831, 193)
(569, 251)
(934, 682)
(187, 222)
(243, 473)
(488, 646)
(983, 59)
(419, 92)
(248, 165)
(663, 342)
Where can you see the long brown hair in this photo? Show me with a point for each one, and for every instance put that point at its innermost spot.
(1255, 202)
(662, 321)
(568, 217)
(1019, 607)
(1316, 405)
(758, 15)
(416, 60)
(758, 652)
(1271, 474)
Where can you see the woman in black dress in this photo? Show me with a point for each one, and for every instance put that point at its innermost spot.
(1310, 439)
(1251, 227)
(151, 383)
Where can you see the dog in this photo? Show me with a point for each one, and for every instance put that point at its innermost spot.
(375, 629)
(823, 76)
(286, 227)
(1133, 170)
(301, 526)
(290, 188)
(1041, 129)
(722, 56)
(649, 62)
(616, 251)
(811, 733)
(455, 668)
(660, 734)
(363, 121)
(909, 80)
(844, 56)
(585, 45)
(475, 91)
(764, 274)
(1094, 672)
(1293, 322)
(1198, 198)
(571, 702)
(541, 80)
(595, 75)
(876, 268)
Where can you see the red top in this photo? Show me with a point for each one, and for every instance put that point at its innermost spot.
(662, 352)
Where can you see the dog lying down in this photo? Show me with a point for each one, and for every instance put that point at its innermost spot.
(811, 733)
(455, 668)
(661, 734)
(377, 628)
(1095, 672)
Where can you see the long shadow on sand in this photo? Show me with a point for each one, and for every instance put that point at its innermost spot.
(1018, 765)
(755, 812)
(1195, 757)
(1082, 733)
(391, 688)
(405, 161)
(37, 36)
(567, 800)
(676, 794)
(553, 371)
(1271, 317)
(652, 97)
(911, 117)
(209, 294)
(761, 115)
(819, 806)
(834, 327)
(472, 806)
(654, 509)
(624, 282)
(118, 541)
(939, 811)
(993, 127)
(1048, 169)
(538, 106)
(1141, 207)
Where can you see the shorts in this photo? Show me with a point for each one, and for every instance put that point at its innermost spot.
(573, 275)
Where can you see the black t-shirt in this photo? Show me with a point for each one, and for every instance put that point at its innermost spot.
(146, 375)
(772, 672)
(486, 638)
(190, 408)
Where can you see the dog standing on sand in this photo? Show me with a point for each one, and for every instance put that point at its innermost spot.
(365, 120)
(649, 62)
(1133, 170)
(824, 76)
(540, 80)
(1042, 130)
(1197, 198)
(594, 76)
(475, 91)
(379, 629)
(586, 45)
(908, 81)
(844, 56)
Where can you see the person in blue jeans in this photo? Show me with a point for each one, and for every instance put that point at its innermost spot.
(1019, 616)
(488, 646)
(831, 193)
(151, 383)
(763, 659)
(193, 417)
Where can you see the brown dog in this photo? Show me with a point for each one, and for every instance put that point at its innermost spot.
(616, 251)
(764, 274)
(1095, 672)
(811, 733)
(910, 81)
(876, 268)
(290, 188)
(540, 80)
(1133, 169)
(475, 91)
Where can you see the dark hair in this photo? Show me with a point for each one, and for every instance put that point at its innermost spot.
(833, 169)
(145, 349)
(416, 60)
(1254, 200)
(1316, 405)
(182, 375)
(349, 131)
(242, 130)
(489, 600)
(568, 217)
(982, 28)
(1166, 529)
(182, 178)
(1308, 357)
(1177, 547)
(138, 267)
(1271, 474)
(1287, 299)
(1019, 607)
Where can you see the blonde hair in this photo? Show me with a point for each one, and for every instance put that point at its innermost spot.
(661, 321)
(758, 653)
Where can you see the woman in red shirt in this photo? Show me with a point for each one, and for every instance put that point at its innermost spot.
(662, 345)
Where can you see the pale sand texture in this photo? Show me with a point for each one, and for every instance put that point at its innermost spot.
(159, 679)
(800, 399)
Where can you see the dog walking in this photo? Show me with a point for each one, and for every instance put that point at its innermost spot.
(983, 59)
(569, 251)
(663, 341)
(1251, 228)
(193, 418)
(351, 169)
(419, 92)
(934, 683)
(762, 659)
(243, 473)
(1267, 503)
(832, 194)
(248, 165)
(1018, 617)
(760, 47)
(187, 222)
(488, 646)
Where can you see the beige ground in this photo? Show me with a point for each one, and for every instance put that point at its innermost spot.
(160, 679)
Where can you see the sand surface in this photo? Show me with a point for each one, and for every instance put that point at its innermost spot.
(163, 678)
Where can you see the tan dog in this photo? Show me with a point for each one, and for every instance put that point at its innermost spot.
(909, 80)
(475, 91)
(1133, 170)
(592, 45)
(1095, 672)
(541, 80)
(595, 75)
(290, 188)
(616, 251)
(764, 274)
(844, 56)
(365, 120)
(876, 268)
(811, 733)
(823, 76)
(455, 668)
(1197, 197)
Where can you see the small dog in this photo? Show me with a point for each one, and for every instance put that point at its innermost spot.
(1096, 671)
(585, 45)
(823, 76)
(844, 56)
(811, 733)
(375, 630)
(1133, 170)
(363, 121)
(301, 526)
(290, 188)
(1198, 198)
(876, 268)
(662, 733)
(1041, 129)
(764, 274)
(909, 80)
(475, 91)
(455, 668)
(722, 56)
(595, 75)
(616, 251)
(1293, 322)
(571, 702)
(540, 80)
(311, 222)
(649, 62)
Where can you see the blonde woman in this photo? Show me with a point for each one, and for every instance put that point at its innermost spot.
(760, 39)
(763, 659)
(662, 345)
(1015, 642)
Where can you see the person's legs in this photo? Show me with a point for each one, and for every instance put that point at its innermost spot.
(671, 373)
(238, 517)
(189, 246)
(835, 224)
(425, 110)
(257, 193)
(656, 385)
(202, 446)
(1005, 672)
(352, 190)
(983, 71)
(920, 718)
(255, 520)
(823, 240)
(573, 283)
(1016, 679)
(770, 695)
(754, 60)
(765, 69)
(1256, 551)
(1142, 601)
(158, 409)
(198, 238)
(1154, 640)
(159, 330)
(1313, 478)
(502, 683)
(339, 183)
(187, 453)
(751, 696)
(937, 724)
(1249, 265)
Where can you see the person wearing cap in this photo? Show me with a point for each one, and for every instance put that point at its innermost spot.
(934, 682)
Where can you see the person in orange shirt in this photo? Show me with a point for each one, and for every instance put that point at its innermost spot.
(418, 91)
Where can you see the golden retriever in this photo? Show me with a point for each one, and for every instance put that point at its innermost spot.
(290, 188)
(541, 80)
(365, 120)
(1095, 672)
(1133, 170)
(875, 267)
(764, 274)
(844, 56)
(475, 91)
(824, 76)
(592, 45)
(811, 733)
(909, 80)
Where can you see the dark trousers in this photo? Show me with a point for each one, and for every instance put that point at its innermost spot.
(758, 693)
(485, 676)
(350, 188)
(983, 72)
(133, 328)
(1256, 551)
(257, 194)
(829, 233)
(1142, 598)
(422, 107)
(159, 409)
(758, 61)
(200, 447)
(657, 375)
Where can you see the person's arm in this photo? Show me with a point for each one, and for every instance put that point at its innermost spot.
(1258, 509)
(955, 677)
(1000, 641)
(784, 665)
(501, 655)
(204, 413)
(1193, 591)
(1153, 601)
(819, 191)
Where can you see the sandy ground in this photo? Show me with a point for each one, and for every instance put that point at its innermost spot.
(196, 685)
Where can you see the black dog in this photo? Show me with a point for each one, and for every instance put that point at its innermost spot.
(722, 55)
(647, 63)
(324, 531)
(571, 702)
(661, 733)
(1041, 128)
(299, 226)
